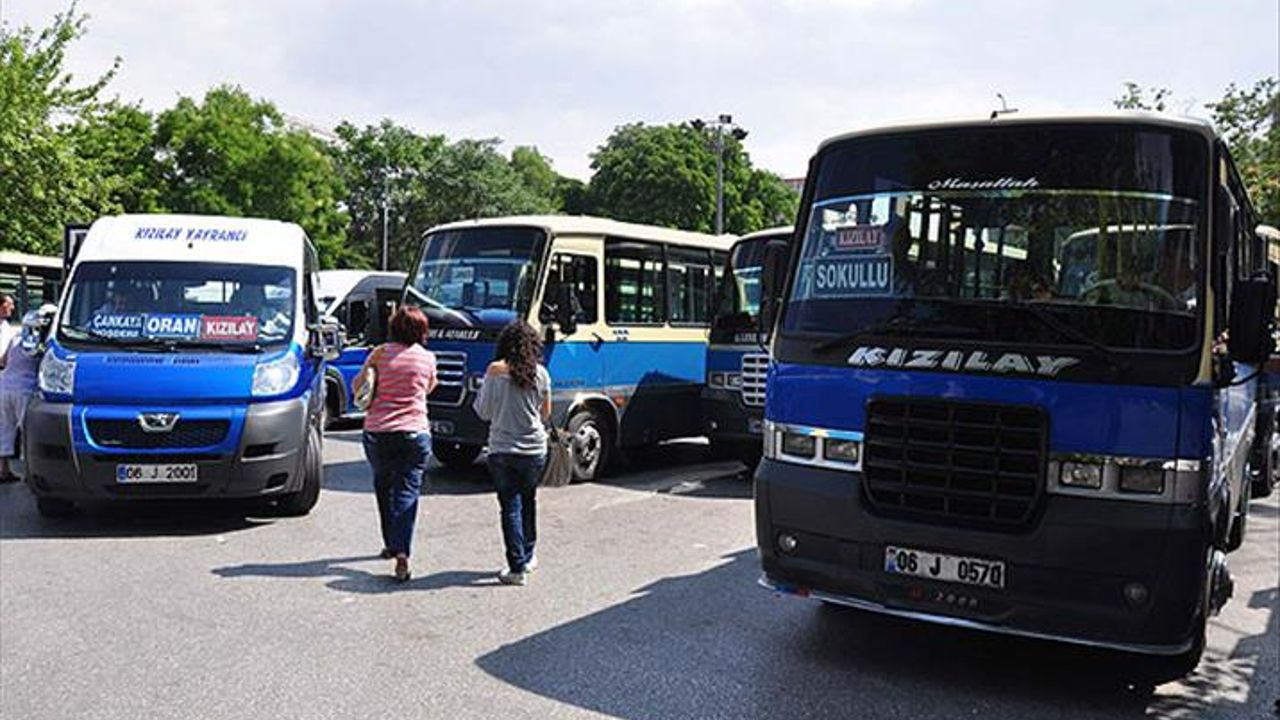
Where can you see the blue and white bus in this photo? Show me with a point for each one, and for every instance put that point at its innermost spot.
(186, 361)
(362, 302)
(624, 308)
(737, 353)
(1014, 380)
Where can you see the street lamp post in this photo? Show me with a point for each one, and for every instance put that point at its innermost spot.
(719, 125)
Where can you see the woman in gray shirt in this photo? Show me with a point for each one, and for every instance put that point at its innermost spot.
(515, 399)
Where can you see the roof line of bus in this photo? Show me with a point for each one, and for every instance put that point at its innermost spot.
(588, 225)
(1134, 117)
(13, 257)
(770, 232)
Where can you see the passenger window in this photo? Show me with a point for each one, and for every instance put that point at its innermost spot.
(633, 282)
(690, 279)
(357, 321)
(579, 272)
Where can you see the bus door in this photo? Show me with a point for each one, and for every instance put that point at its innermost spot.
(575, 359)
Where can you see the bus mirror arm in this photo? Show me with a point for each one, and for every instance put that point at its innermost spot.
(327, 339)
(772, 277)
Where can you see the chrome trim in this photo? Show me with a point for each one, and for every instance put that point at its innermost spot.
(773, 445)
(755, 371)
(875, 607)
(451, 370)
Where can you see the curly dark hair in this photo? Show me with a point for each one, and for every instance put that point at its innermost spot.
(520, 347)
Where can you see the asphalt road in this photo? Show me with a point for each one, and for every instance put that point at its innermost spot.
(645, 606)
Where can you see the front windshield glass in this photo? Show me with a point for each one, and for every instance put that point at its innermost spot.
(169, 303)
(977, 254)
(477, 276)
(738, 303)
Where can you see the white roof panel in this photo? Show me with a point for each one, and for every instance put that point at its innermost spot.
(194, 238)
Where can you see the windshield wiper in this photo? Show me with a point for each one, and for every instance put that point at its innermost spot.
(903, 324)
(1046, 318)
(241, 347)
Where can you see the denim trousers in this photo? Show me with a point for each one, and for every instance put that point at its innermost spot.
(516, 479)
(399, 461)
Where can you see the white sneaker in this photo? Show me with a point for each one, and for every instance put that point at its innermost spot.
(532, 564)
(506, 577)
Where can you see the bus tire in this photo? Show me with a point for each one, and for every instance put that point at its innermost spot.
(332, 404)
(301, 502)
(1264, 474)
(454, 455)
(54, 507)
(592, 445)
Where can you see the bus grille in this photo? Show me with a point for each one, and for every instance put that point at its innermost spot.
(185, 434)
(755, 367)
(451, 371)
(970, 464)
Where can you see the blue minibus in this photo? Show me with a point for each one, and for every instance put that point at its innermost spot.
(1014, 380)
(624, 309)
(362, 302)
(186, 361)
(737, 352)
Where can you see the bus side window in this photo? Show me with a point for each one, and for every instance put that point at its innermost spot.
(689, 283)
(579, 273)
(356, 320)
(633, 282)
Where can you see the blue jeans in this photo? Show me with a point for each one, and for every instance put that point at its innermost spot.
(516, 479)
(399, 460)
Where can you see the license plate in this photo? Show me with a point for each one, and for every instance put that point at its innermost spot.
(755, 426)
(946, 568)
(186, 473)
(441, 427)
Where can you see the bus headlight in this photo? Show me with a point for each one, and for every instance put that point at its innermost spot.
(275, 377)
(733, 381)
(846, 451)
(1082, 475)
(716, 379)
(57, 376)
(796, 445)
(1146, 480)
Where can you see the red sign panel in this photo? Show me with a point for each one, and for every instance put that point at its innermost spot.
(228, 327)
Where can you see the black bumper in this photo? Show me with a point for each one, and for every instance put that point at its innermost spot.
(457, 423)
(265, 461)
(725, 418)
(1066, 573)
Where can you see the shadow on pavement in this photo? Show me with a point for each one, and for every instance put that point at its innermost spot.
(356, 580)
(679, 649)
(356, 477)
(132, 518)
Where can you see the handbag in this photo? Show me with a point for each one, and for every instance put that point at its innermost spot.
(558, 471)
(369, 390)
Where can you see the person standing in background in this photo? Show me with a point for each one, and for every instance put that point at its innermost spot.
(397, 438)
(21, 361)
(515, 400)
(7, 331)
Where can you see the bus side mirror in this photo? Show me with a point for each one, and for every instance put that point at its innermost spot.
(327, 339)
(1253, 307)
(772, 277)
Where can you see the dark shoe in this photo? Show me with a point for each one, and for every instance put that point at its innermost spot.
(402, 569)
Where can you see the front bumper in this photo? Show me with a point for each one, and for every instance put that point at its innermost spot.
(457, 423)
(262, 456)
(726, 418)
(1066, 573)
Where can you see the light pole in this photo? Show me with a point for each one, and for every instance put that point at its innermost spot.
(388, 174)
(719, 125)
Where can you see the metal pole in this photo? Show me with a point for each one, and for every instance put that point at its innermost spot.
(385, 199)
(719, 179)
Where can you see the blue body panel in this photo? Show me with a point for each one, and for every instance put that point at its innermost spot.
(725, 358)
(348, 366)
(1126, 420)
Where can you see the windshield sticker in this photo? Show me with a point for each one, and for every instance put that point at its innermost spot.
(190, 234)
(1004, 183)
(172, 326)
(117, 325)
(860, 238)
(851, 276)
(226, 327)
(961, 361)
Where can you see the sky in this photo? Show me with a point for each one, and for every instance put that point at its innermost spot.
(561, 74)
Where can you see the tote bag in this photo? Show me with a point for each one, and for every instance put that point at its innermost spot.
(558, 471)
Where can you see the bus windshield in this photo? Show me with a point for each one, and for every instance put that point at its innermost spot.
(477, 276)
(171, 303)
(946, 251)
(738, 299)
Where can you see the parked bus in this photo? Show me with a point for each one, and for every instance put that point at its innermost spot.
(32, 280)
(737, 355)
(186, 361)
(362, 302)
(624, 309)
(1265, 462)
(1004, 395)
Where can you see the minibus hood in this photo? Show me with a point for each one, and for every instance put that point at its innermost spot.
(168, 378)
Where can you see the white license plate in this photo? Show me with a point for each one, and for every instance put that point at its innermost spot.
(755, 426)
(186, 473)
(946, 568)
(441, 427)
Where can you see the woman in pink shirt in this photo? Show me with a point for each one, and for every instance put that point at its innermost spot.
(397, 439)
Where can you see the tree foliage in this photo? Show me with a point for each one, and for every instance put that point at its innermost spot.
(666, 175)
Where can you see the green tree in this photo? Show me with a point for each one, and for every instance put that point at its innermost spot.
(1249, 121)
(534, 170)
(44, 183)
(666, 175)
(232, 155)
(116, 145)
